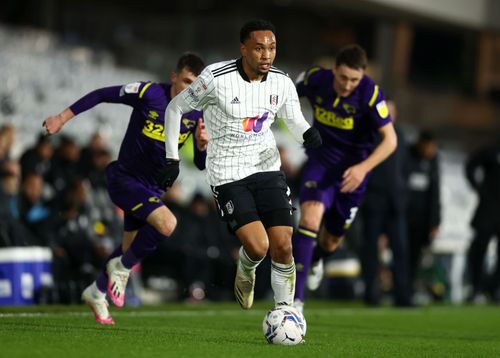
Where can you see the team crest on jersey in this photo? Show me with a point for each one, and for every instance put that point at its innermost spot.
(348, 108)
(382, 109)
(254, 123)
(273, 99)
(230, 207)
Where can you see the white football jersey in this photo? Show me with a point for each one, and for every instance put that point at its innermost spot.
(238, 116)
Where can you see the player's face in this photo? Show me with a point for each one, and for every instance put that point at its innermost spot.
(258, 53)
(346, 79)
(181, 80)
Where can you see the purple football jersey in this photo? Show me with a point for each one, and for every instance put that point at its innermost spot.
(142, 152)
(348, 125)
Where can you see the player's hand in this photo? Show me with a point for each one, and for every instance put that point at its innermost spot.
(201, 135)
(352, 178)
(53, 124)
(312, 138)
(167, 175)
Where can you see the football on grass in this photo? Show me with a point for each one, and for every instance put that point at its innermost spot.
(284, 325)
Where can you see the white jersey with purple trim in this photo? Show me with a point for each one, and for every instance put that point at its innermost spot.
(238, 115)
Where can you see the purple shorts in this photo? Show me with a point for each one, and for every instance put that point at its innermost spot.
(321, 182)
(136, 198)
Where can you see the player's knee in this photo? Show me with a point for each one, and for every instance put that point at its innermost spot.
(167, 227)
(332, 242)
(257, 249)
(282, 248)
(310, 221)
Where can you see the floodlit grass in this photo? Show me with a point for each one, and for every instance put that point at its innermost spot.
(224, 330)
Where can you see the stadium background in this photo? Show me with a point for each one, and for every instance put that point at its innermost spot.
(436, 59)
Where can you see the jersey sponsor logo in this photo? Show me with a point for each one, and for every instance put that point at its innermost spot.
(332, 120)
(132, 87)
(254, 123)
(273, 99)
(382, 109)
(230, 207)
(235, 101)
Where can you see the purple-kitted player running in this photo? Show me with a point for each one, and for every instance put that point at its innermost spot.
(140, 175)
(349, 109)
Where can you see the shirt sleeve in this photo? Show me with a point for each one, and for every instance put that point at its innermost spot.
(199, 95)
(377, 107)
(305, 82)
(128, 94)
(291, 112)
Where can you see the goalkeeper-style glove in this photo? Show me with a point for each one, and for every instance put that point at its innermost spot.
(167, 175)
(312, 138)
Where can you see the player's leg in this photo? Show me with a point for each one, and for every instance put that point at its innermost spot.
(276, 212)
(95, 294)
(316, 194)
(283, 272)
(337, 219)
(254, 248)
(236, 206)
(145, 212)
(304, 240)
(160, 225)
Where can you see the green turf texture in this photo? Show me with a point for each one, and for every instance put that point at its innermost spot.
(224, 330)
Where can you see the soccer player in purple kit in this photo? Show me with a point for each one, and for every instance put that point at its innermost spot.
(140, 175)
(348, 109)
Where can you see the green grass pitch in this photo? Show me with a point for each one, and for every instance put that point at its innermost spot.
(224, 330)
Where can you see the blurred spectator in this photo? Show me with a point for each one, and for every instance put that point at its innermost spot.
(483, 173)
(64, 168)
(12, 232)
(424, 203)
(96, 144)
(7, 138)
(383, 212)
(75, 258)
(38, 158)
(34, 212)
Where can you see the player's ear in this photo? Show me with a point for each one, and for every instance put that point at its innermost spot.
(243, 50)
(173, 77)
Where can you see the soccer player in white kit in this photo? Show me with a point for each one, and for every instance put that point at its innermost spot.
(240, 100)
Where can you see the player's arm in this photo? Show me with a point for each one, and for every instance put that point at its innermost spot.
(195, 97)
(115, 94)
(292, 115)
(355, 175)
(200, 143)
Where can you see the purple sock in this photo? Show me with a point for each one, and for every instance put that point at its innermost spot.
(303, 245)
(145, 242)
(102, 279)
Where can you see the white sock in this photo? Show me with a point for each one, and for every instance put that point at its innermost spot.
(247, 265)
(96, 293)
(283, 283)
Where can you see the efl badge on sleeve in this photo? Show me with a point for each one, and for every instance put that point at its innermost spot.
(382, 109)
(132, 87)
